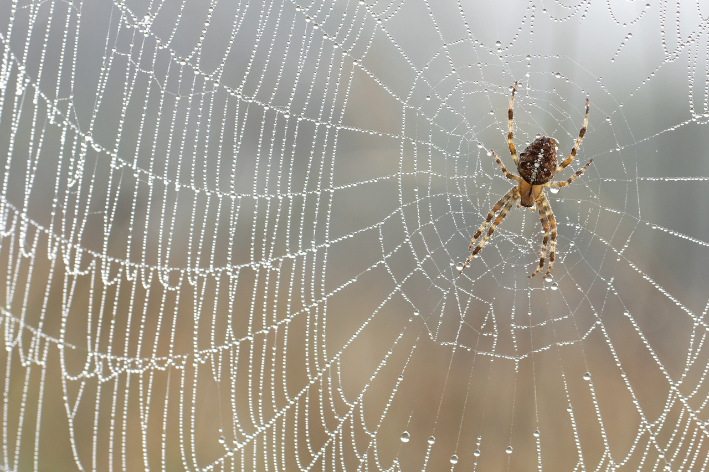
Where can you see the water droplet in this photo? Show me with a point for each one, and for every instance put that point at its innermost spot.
(554, 189)
(476, 453)
(405, 436)
(454, 459)
(587, 376)
(548, 278)
(428, 97)
(431, 440)
(508, 450)
(554, 286)
(569, 409)
(536, 433)
(558, 75)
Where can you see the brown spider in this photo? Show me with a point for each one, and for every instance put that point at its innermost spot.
(536, 167)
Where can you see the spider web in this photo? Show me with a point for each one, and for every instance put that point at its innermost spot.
(232, 235)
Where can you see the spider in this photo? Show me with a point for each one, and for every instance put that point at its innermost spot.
(536, 167)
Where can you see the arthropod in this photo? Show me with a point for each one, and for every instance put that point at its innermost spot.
(536, 167)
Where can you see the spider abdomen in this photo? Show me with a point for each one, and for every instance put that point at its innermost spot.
(537, 164)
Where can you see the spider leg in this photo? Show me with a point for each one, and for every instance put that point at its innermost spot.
(573, 177)
(568, 160)
(494, 210)
(513, 151)
(507, 200)
(545, 226)
(493, 226)
(504, 169)
(552, 223)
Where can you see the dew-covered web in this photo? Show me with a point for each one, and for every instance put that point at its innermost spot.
(232, 234)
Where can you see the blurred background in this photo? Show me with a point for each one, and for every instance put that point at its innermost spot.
(233, 231)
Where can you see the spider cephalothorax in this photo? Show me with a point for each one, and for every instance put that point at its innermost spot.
(536, 167)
